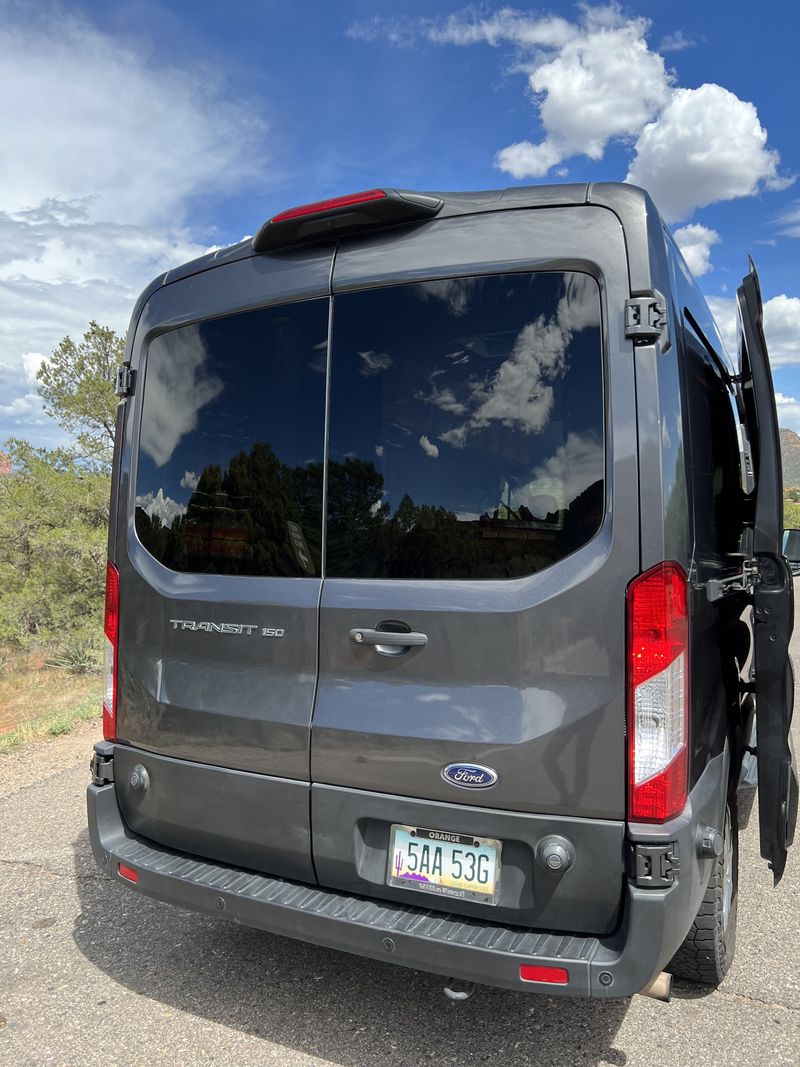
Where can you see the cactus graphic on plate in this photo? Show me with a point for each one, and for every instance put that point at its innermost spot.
(400, 873)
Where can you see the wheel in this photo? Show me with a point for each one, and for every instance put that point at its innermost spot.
(707, 953)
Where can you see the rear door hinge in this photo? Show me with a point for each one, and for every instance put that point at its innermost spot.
(655, 866)
(102, 769)
(102, 763)
(646, 319)
(123, 381)
(743, 582)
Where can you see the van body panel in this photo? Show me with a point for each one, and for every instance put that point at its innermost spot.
(555, 238)
(234, 700)
(238, 699)
(222, 814)
(517, 674)
(351, 837)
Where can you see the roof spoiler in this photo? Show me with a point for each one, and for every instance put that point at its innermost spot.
(342, 216)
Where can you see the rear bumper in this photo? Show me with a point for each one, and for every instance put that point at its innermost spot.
(654, 921)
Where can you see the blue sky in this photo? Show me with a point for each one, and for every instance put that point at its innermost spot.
(138, 134)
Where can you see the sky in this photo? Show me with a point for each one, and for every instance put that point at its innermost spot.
(137, 135)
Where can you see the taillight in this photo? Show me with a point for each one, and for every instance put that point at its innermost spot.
(111, 630)
(534, 972)
(333, 204)
(344, 216)
(658, 694)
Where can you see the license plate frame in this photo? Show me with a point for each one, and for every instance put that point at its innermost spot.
(422, 879)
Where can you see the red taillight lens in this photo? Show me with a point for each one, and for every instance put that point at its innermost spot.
(128, 872)
(658, 694)
(329, 205)
(111, 630)
(532, 972)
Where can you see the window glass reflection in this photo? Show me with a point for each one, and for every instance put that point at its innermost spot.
(466, 427)
(229, 477)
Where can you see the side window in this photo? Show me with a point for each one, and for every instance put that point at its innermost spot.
(713, 467)
(229, 472)
(466, 427)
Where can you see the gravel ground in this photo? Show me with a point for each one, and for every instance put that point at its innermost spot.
(91, 971)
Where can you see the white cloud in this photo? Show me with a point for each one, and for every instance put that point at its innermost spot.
(428, 447)
(180, 384)
(789, 221)
(597, 80)
(160, 506)
(445, 399)
(782, 329)
(781, 326)
(506, 25)
(456, 293)
(695, 243)
(575, 465)
(707, 145)
(24, 406)
(603, 84)
(677, 42)
(373, 363)
(103, 150)
(520, 392)
(723, 308)
(85, 114)
(189, 480)
(788, 412)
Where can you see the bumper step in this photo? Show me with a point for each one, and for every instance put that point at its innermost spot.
(456, 946)
(383, 917)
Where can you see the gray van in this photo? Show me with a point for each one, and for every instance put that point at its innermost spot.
(446, 591)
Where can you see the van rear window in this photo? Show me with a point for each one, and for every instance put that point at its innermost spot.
(466, 427)
(229, 471)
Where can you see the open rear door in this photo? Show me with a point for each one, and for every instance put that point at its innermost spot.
(773, 598)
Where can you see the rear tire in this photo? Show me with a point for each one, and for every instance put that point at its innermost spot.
(707, 953)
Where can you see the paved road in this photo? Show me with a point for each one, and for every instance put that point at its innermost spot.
(93, 973)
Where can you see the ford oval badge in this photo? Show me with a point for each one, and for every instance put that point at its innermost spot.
(469, 775)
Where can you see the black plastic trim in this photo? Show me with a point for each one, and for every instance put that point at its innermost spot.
(653, 925)
(395, 208)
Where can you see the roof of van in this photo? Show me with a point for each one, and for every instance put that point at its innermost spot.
(633, 205)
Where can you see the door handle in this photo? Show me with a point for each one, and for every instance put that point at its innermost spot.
(388, 638)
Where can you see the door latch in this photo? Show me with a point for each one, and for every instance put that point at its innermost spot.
(743, 582)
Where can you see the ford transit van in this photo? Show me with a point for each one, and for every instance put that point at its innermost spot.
(447, 616)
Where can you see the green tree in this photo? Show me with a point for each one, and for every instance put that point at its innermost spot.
(53, 518)
(791, 513)
(76, 385)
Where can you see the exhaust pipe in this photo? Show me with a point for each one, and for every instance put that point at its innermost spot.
(458, 990)
(660, 988)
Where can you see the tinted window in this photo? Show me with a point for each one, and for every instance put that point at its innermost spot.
(466, 427)
(229, 474)
(713, 461)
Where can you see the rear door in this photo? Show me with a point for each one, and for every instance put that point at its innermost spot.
(482, 517)
(220, 558)
(773, 599)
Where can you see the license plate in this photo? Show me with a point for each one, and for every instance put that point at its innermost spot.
(448, 865)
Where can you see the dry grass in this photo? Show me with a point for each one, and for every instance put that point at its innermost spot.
(33, 693)
(52, 725)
